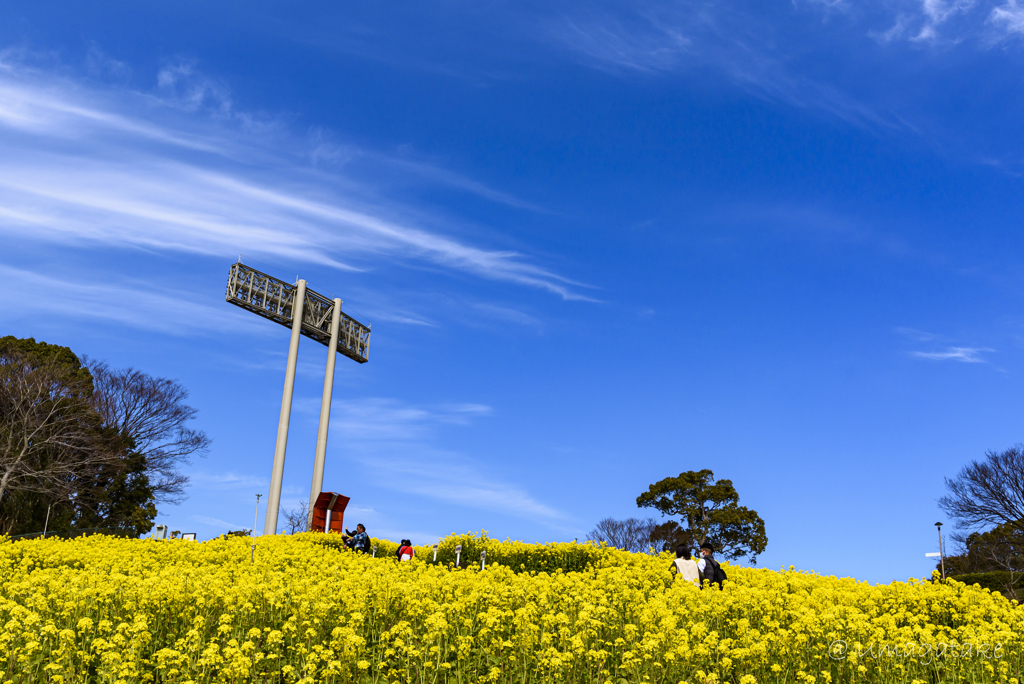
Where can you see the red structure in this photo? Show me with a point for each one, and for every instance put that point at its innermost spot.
(333, 502)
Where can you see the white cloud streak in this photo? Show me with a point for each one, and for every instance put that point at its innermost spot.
(392, 439)
(962, 354)
(917, 335)
(86, 166)
(607, 43)
(1009, 17)
(134, 304)
(227, 481)
(937, 12)
(217, 522)
(677, 37)
(392, 420)
(446, 478)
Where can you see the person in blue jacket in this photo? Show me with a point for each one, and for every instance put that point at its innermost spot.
(358, 540)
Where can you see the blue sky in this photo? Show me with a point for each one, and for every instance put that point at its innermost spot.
(599, 244)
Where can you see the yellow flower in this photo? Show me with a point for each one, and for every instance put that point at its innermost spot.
(309, 611)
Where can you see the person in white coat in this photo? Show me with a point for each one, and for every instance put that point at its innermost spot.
(685, 566)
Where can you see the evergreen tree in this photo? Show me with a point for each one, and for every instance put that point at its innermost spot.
(708, 511)
(94, 479)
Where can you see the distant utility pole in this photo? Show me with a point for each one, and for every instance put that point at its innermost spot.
(942, 553)
(319, 318)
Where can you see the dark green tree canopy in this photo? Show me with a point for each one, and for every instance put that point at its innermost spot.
(43, 353)
(63, 459)
(707, 510)
(998, 552)
(998, 549)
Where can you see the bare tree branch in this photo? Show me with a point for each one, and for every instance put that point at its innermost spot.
(49, 434)
(153, 412)
(631, 534)
(989, 492)
(296, 518)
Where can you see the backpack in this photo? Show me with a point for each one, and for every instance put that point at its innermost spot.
(716, 574)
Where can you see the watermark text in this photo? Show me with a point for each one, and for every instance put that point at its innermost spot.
(923, 653)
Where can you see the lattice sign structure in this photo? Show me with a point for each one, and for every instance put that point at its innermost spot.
(311, 314)
(272, 298)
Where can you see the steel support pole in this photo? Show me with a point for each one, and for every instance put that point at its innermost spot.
(325, 413)
(274, 497)
(942, 553)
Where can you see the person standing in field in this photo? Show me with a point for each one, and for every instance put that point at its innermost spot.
(709, 568)
(405, 551)
(685, 566)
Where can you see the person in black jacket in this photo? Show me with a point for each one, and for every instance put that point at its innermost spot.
(708, 566)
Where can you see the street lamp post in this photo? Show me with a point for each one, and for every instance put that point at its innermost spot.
(942, 554)
(252, 554)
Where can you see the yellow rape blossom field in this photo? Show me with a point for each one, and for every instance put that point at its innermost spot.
(101, 609)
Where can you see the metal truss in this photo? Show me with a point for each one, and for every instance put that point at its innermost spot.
(271, 298)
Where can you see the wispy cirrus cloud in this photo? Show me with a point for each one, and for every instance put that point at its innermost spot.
(1008, 18)
(948, 353)
(678, 37)
(227, 480)
(917, 335)
(935, 13)
(381, 419)
(944, 23)
(216, 522)
(140, 305)
(179, 170)
(775, 53)
(454, 479)
(394, 439)
(962, 354)
(607, 42)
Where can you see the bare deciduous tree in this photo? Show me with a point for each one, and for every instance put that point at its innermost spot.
(988, 492)
(631, 534)
(295, 520)
(49, 434)
(152, 411)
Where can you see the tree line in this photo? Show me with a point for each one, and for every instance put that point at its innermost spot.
(86, 445)
(986, 502)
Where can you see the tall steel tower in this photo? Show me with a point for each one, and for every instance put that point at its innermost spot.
(317, 317)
